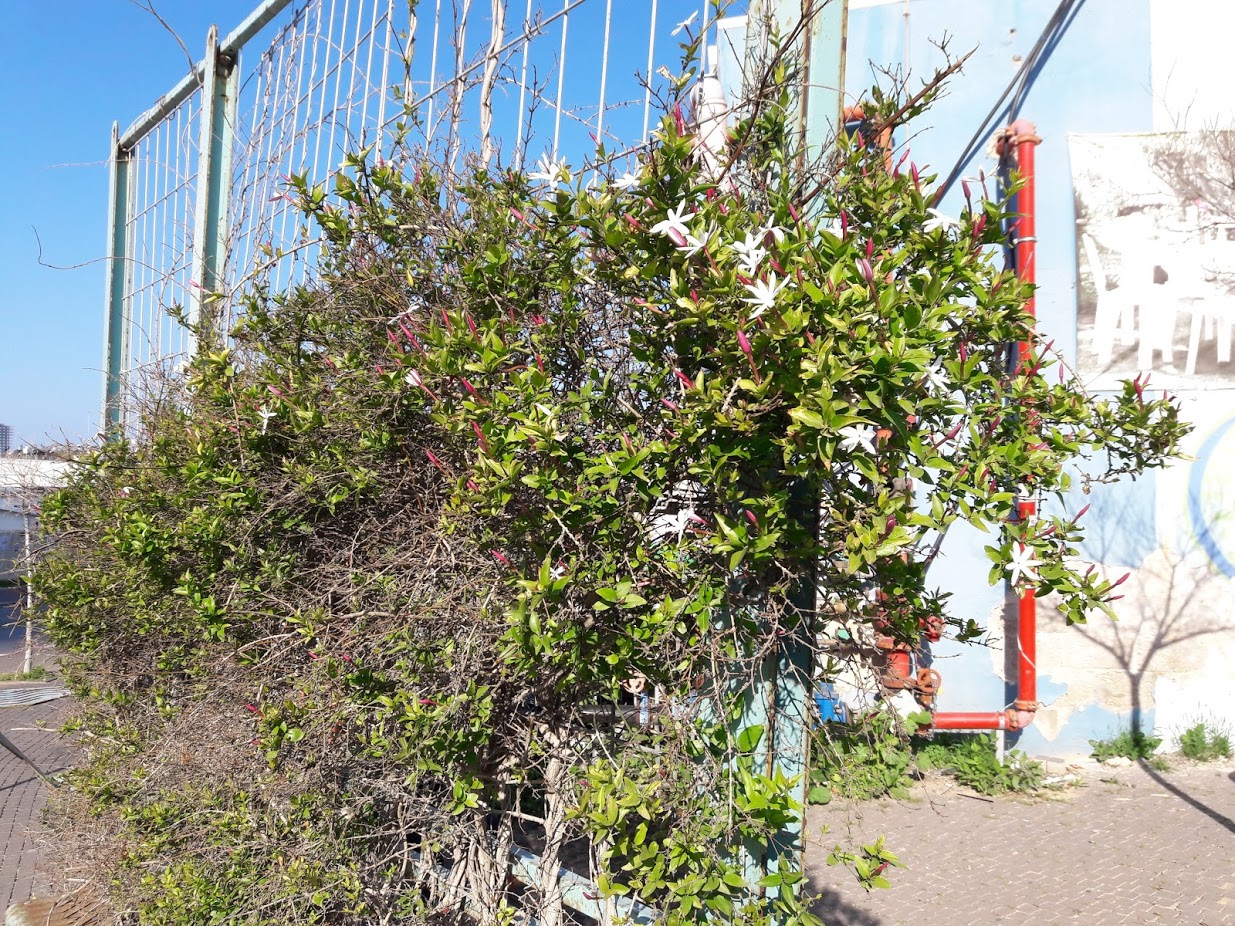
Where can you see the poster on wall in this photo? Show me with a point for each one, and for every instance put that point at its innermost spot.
(1155, 242)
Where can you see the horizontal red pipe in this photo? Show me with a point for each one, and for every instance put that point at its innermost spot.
(975, 720)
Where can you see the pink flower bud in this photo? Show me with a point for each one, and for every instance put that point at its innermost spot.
(411, 337)
(744, 343)
(480, 436)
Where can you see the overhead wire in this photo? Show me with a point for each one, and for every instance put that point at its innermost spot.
(1055, 26)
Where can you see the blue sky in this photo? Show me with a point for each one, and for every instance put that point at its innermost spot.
(71, 67)
(74, 66)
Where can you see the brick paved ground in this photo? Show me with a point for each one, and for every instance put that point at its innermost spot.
(33, 731)
(1146, 849)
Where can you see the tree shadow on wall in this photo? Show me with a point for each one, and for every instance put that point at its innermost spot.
(1170, 598)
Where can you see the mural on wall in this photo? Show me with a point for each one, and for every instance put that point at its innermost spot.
(1156, 259)
(1165, 663)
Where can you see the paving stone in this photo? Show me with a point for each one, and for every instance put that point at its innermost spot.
(22, 794)
(1153, 848)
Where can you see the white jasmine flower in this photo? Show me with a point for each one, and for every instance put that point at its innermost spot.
(750, 262)
(550, 171)
(686, 23)
(1022, 565)
(674, 224)
(693, 245)
(777, 233)
(265, 414)
(668, 525)
(763, 294)
(628, 181)
(939, 221)
(858, 435)
(935, 378)
(750, 253)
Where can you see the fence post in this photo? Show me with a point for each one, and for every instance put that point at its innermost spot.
(116, 332)
(220, 86)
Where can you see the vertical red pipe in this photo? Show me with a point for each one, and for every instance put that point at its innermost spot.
(1024, 136)
(1027, 638)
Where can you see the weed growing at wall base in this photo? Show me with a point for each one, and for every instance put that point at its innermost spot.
(1131, 744)
(1203, 744)
(972, 760)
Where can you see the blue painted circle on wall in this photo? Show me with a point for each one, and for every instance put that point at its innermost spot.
(1203, 526)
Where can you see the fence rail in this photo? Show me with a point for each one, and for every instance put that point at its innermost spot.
(197, 209)
(197, 205)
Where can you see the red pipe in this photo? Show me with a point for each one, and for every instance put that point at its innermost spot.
(975, 720)
(1024, 135)
(1027, 639)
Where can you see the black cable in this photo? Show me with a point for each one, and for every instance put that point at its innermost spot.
(1051, 33)
(1031, 70)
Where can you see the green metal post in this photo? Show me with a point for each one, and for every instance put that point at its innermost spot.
(780, 698)
(220, 86)
(823, 87)
(116, 329)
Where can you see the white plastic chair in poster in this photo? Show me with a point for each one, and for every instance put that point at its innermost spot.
(1114, 311)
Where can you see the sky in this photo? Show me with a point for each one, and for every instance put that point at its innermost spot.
(71, 67)
(75, 66)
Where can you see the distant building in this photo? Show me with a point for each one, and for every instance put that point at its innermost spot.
(24, 481)
(6, 438)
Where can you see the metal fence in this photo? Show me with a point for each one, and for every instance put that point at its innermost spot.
(197, 202)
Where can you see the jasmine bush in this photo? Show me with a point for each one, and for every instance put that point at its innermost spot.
(362, 607)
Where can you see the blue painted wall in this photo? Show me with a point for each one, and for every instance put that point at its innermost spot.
(1096, 78)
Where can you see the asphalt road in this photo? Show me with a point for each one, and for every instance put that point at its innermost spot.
(12, 628)
(13, 632)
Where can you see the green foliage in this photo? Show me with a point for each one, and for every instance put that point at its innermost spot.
(371, 585)
(1130, 744)
(36, 673)
(869, 863)
(865, 759)
(972, 760)
(1204, 745)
